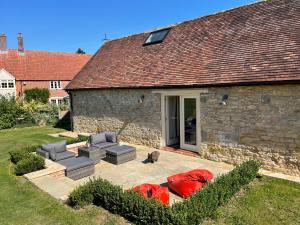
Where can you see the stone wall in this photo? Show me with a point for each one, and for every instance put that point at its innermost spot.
(258, 122)
(121, 111)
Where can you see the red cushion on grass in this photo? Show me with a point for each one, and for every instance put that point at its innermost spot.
(186, 184)
(154, 191)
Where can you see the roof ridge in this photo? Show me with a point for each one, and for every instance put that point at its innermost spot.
(192, 20)
(44, 51)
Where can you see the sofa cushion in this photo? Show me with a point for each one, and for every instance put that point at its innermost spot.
(104, 145)
(60, 146)
(111, 136)
(120, 150)
(97, 138)
(64, 155)
(76, 163)
(52, 154)
(47, 147)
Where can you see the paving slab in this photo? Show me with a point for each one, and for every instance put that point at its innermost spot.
(137, 172)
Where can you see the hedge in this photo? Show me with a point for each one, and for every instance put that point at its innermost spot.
(37, 94)
(18, 155)
(26, 162)
(30, 164)
(139, 210)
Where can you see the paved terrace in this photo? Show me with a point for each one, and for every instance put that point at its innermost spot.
(128, 174)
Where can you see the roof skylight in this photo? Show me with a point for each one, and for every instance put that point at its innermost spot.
(157, 37)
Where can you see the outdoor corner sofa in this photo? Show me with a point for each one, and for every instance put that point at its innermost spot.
(56, 151)
(76, 167)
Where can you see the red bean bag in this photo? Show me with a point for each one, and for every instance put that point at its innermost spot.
(186, 184)
(154, 191)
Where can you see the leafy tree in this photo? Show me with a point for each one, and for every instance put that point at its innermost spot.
(37, 94)
(80, 51)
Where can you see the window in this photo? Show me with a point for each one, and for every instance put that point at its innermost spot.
(7, 84)
(55, 84)
(11, 84)
(57, 101)
(157, 37)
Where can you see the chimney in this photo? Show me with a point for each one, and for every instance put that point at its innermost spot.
(20, 43)
(3, 47)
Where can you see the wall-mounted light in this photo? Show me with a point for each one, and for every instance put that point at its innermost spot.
(224, 99)
(141, 99)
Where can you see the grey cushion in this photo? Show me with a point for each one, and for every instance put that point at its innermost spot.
(52, 154)
(97, 138)
(64, 155)
(120, 150)
(50, 149)
(111, 136)
(60, 146)
(76, 163)
(47, 147)
(104, 145)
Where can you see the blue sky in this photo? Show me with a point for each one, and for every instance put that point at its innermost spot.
(65, 25)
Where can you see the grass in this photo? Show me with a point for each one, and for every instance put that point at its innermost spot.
(23, 203)
(266, 201)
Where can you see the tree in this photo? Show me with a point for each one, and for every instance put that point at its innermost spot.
(80, 51)
(37, 94)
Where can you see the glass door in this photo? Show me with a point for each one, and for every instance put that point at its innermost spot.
(189, 123)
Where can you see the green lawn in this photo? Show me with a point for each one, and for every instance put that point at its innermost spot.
(266, 201)
(23, 203)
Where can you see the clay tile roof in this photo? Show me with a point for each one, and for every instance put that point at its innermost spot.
(38, 65)
(250, 44)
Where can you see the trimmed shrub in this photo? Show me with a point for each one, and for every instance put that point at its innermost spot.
(137, 209)
(128, 204)
(37, 94)
(80, 138)
(204, 204)
(29, 164)
(18, 155)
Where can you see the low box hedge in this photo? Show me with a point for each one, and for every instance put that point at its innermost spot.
(17, 155)
(139, 210)
(29, 164)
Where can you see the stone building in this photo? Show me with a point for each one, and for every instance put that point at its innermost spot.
(226, 86)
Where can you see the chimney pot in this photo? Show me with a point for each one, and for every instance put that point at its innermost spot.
(3, 47)
(20, 43)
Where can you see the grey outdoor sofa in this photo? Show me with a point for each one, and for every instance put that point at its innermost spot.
(103, 140)
(56, 151)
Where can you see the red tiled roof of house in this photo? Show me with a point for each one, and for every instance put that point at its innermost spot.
(39, 65)
(250, 44)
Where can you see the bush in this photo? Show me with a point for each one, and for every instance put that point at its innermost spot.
(204, 203)
(80, 138)
(18, 155)
(37, 94)
(128, 204)
(29, 164)
(135, 208)
(8, 112)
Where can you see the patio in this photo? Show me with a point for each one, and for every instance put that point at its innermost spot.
(128, 174)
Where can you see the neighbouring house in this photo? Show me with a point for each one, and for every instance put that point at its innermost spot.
(25, 69)
(226, 86)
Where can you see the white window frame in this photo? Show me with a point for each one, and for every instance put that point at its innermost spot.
(55, 84)
(7, 82)
(56, 99)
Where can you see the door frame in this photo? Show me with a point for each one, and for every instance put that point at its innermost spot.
(183, 145)
(168, 140)
(177, 92)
